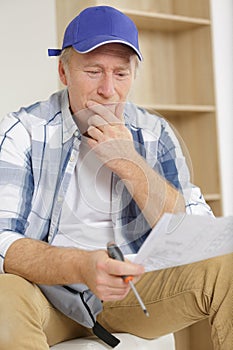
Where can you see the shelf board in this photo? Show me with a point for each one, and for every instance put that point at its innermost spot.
(212, 197)
(164, 22)
(172, 109)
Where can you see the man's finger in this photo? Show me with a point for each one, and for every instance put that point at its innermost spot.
(107, 112)
(97, 121)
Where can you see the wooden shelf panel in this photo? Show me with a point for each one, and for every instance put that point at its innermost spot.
(182, 110)
(210, 197)
(171, 75)
(164, 22)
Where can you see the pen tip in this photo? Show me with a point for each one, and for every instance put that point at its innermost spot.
(146, 313)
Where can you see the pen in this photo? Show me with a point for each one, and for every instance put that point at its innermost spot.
(114, 252)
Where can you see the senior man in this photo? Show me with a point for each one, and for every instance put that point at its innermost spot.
(84, 168)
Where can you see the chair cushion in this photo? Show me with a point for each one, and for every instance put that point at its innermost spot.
(128, 342)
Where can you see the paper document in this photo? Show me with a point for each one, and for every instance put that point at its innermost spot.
(182, 239)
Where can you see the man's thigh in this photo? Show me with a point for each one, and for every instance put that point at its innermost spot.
(175, 298)
(28, 318)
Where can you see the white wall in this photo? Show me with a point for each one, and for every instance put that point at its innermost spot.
(222, 19)
(27, 29)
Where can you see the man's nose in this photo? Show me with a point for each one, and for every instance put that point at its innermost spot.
(106, 86)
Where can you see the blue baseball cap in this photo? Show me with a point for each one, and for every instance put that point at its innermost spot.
(96, 26)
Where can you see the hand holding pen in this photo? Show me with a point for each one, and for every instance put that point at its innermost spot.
(114, 252)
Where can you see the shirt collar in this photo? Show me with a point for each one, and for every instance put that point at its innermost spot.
(70, 128)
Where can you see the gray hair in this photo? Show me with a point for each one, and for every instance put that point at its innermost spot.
(65, 55)
(67, 52)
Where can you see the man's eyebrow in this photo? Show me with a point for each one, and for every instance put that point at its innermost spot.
(92, 65)
(99, 65)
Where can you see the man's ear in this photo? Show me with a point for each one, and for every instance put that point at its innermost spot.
(62, 73)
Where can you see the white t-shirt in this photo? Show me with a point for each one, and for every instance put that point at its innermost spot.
(86, 213)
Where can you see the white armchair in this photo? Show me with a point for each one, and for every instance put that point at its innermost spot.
(128, 342)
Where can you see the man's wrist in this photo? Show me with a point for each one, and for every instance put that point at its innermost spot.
(125, 167)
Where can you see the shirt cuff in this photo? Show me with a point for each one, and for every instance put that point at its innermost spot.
(6, 239)
(195, 203)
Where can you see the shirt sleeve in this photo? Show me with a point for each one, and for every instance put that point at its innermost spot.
(6, 239)
(173, 166)
(16, 183)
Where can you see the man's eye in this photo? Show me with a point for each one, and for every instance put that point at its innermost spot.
(122, 75)
(93, 73)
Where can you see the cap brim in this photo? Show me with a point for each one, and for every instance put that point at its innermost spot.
(86, 46)
(54, 52)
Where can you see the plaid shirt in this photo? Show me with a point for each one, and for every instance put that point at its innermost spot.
(39, 147)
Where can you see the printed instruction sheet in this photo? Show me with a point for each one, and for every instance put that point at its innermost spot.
(183, 239)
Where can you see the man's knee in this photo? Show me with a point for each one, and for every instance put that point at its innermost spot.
(220, 267)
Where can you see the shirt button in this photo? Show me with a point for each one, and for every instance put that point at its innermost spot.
(60, 199)
(76, 133)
